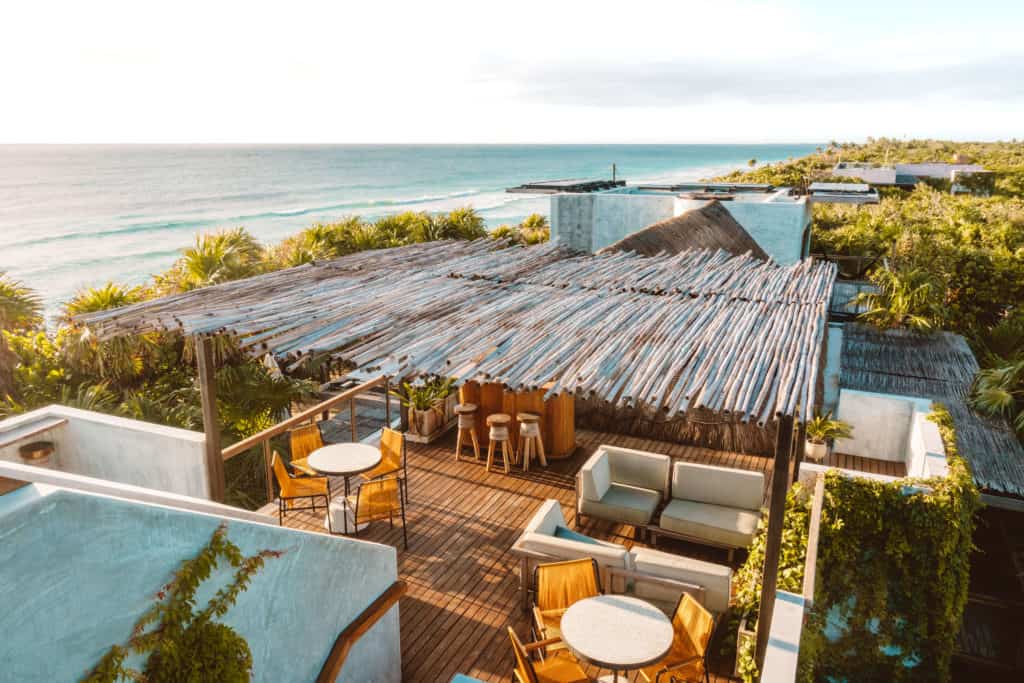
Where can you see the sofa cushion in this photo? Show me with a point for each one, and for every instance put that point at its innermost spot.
(546, 518)
(606, 554)
(623, 504)
(569, 534)
(596, 477)
(639, 468)
(717, 485)
(716, 524)
(715, 578)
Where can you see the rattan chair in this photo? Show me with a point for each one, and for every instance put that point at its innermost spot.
(305, 440)
(561, 667)
(297, 488)
(557, 585)
(380, 499)
(687, 660)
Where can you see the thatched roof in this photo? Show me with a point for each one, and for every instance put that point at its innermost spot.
(940, 367)
(699, 329)
(710, 226)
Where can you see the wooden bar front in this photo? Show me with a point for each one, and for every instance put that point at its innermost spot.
(557, 415)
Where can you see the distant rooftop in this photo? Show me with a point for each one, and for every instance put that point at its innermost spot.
(843, 193)
(567, 185)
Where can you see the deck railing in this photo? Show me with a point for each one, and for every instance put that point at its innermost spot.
(309, 415)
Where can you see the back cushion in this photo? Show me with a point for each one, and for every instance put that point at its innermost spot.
(566, 549)
(547, 518)
(717, 485)
(596, 476)
(638, 468)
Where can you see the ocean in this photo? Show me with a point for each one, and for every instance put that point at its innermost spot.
(75, 216)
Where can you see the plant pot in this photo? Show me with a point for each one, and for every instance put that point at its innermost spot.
(36, 453)
(423, 422)
(450, 401)
(815, 451)
(745, 635)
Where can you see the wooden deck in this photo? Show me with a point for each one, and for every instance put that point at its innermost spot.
(462, 578)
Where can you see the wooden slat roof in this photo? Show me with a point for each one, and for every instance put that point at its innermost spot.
(697, 329)
(940, 367)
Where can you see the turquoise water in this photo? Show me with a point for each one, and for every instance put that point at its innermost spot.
(72, 216)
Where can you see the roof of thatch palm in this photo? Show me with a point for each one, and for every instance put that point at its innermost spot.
(710, 226)
(940, 367)
(701, 328)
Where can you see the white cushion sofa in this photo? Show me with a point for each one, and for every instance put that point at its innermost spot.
(622, 485)
(653, 575)
(717, 506)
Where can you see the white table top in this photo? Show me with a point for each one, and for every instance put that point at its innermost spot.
(344, 459)
(617, 632)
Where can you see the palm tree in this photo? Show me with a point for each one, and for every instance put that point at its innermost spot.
(904, 299)
(1000, 391)
(216, 257)
(20, 309)
(117, 359)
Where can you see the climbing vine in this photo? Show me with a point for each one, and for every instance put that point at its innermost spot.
(894, 563)
(183, 644)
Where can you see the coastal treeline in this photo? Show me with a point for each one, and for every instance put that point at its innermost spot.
(941, 261)
(152, 376)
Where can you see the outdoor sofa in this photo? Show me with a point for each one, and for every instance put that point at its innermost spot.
(653, 575)
(622, 485)
(716, 506)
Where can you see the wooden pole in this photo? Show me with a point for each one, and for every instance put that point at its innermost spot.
(773, 540)
(267, 471)
(798, 451)
(211, 424)
(352, 418)
(387, 402)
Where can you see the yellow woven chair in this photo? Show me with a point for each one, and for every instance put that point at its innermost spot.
(305, 440)
(392, 459)
(557, 668)
(687, 660)
(377, 500)
(297, 488)
(557, 585)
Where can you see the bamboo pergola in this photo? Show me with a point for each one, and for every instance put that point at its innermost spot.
(699, 329)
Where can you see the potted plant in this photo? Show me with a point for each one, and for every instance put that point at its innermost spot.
(427, 405)
(820, 430)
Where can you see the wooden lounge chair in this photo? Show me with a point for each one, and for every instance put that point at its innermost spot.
(305, 440)
(561, 667)
(687, 660)
(377, 500)
(557, 585)
(392, 461)
(297, 488)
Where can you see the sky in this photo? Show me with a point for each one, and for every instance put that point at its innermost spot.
(556, 71)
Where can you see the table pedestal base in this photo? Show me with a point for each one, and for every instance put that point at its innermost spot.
(613, 678)
(341, 514)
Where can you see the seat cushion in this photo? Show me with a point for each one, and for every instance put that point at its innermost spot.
(567, 533)
(606, 554)
(716, 579)
(595, 477)
(715, 524)
(717, 485)
(623, 504)
(639, 468)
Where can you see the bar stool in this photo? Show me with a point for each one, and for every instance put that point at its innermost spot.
(530, 442)
(467, 429)
(498, 422)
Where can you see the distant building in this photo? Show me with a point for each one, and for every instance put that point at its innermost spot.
(908, 175)
(843, 193)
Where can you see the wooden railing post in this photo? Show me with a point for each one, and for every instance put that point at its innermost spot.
(387, 402)
(352, 418)
(268, 470)
(773, 537)
(211, 423)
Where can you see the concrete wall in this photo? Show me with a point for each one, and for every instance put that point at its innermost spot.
(833, 366)
(888, 427)
(120, 450)
(778, 227)
(79, 570)
(590, 222)
(783, 653)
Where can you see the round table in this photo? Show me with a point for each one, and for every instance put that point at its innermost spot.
(344, 460)
(616, 632)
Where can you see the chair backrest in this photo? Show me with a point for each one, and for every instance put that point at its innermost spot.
(560, 584)
(281, 474)
(524, 666)
(392, 450)
(692, 626)
(717, 485)
(377, 499)
(305, 440)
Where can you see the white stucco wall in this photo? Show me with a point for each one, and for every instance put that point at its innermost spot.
(593, 221)
(120, 450)
(783, 652)
(833, 365)
(777, 227)
(889, 427)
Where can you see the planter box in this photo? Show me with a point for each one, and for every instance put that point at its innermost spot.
(744, 635)
(429, 425)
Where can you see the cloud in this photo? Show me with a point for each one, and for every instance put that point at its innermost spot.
(813, 81)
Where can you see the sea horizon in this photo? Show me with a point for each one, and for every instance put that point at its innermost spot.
(80, 215)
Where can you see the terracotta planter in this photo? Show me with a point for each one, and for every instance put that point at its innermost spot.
(815, 451)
